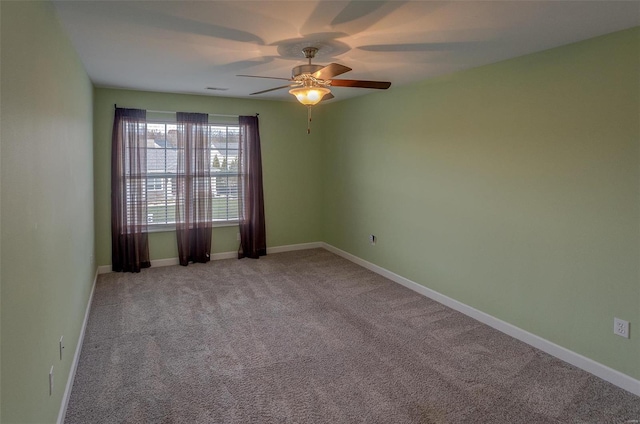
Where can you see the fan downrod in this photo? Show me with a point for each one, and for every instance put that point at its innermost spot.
(309, 53)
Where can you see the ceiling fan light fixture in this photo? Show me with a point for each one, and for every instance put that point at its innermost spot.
(309, 96)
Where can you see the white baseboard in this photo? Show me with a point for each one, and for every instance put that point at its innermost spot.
(292, 247)
(604, 372)
(105, 269)
(155, 263)
(76, 357)
(224, 255)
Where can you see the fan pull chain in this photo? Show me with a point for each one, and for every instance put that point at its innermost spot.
(309, 120)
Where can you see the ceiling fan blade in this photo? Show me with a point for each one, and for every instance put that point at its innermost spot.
(258, 76)
(272, 89)
(327, 96)
(380, 85)
(330, 71)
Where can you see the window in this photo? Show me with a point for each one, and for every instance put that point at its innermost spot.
(224, 143)
(162, 159)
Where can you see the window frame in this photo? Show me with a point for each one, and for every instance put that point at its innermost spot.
(167, 176)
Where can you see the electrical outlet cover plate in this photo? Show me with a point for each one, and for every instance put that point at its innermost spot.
(621, 327)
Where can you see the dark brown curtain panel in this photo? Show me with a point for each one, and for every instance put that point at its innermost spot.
(194, 209)
(253, 238)
(129, 242)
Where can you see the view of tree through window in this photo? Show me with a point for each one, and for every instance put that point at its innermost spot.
(162, 160)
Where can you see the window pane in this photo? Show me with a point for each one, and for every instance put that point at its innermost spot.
(232, 160)
(156, 160)
(172, 136)
(159, 185)
(156, 136)
(234, 135)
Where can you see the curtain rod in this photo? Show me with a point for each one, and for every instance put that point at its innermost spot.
(171, 111)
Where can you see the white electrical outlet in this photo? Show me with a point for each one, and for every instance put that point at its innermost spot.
(51, 381)
(372, 239)
(621, 327)
(61, 346)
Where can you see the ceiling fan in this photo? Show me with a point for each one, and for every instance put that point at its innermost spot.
(310, 83)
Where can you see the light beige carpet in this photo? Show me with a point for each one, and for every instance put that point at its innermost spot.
(308, 337)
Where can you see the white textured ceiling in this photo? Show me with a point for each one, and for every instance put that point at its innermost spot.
(187, 46)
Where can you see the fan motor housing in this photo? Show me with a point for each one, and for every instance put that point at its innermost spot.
(305, 69)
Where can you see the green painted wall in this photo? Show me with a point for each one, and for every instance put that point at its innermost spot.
(513, 188)
(291, 167)
(46, 208)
